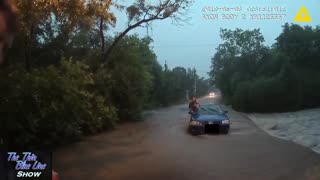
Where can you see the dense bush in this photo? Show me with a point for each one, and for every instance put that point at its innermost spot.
(50, 105)
(263, 94)
(308, 86)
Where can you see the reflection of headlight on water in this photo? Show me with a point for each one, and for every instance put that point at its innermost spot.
(195, 123)
(225, 122)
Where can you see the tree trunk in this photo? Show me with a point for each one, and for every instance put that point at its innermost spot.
(102, 34)
(27, 59)
(114, 44)
(29, 44)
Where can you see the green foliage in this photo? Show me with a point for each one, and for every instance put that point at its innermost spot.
(139, 82)
(300, 44)
(254, 78)
(131, 76)
(178, 81)
(61, 101)
(49, 106)
(46, 101)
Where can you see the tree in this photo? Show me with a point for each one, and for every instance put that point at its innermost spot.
(237, 43)
(31, 15)
(142, 14)
(100, 10)
(41, 22)
(241, 51)
(300, 44)
(131, 75)
(251, 75)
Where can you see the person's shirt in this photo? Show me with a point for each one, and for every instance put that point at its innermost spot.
(193, 103)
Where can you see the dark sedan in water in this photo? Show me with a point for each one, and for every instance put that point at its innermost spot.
(209, 118)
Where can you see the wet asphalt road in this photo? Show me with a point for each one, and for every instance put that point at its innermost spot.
(160, 148)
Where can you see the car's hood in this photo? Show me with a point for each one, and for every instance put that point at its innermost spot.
(209, 117)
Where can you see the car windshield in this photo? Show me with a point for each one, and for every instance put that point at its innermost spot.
(210, 109)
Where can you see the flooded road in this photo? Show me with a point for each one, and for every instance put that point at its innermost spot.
(160, 148)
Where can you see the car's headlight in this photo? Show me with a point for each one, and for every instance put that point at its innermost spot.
(226, 122)
(195, 123)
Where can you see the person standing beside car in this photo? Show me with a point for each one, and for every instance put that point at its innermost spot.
(194, 104)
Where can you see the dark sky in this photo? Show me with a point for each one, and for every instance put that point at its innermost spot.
(193, 44)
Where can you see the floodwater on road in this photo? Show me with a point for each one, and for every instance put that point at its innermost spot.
(161, 148)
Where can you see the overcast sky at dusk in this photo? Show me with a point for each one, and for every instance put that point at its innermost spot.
(193, 44)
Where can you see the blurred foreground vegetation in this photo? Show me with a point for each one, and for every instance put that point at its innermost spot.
(55, 86)
(257, 78)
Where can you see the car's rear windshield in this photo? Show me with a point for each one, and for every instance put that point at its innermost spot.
(212, 109)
